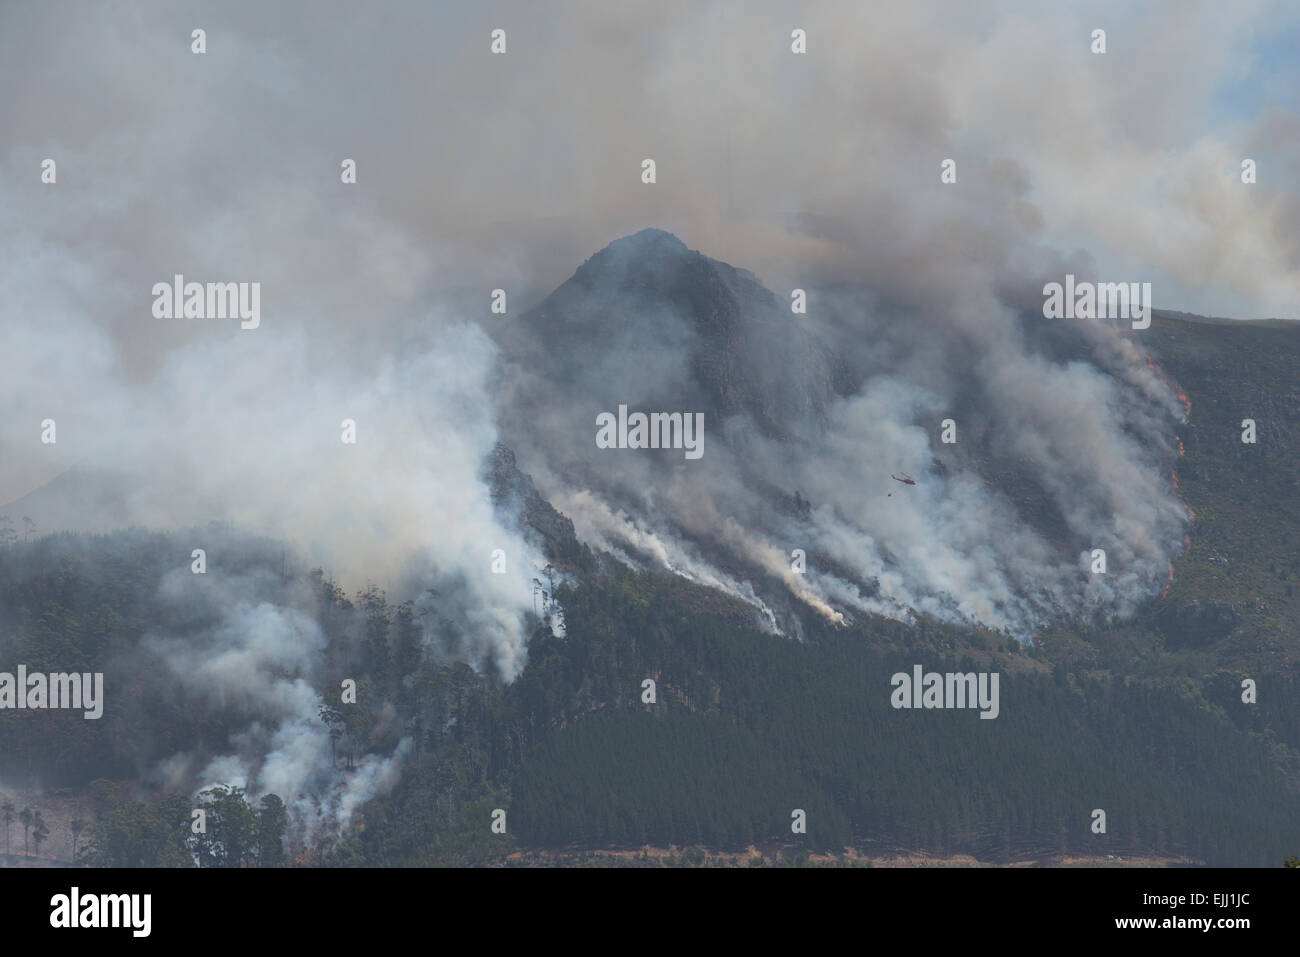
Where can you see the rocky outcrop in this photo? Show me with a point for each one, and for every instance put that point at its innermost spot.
(514, 494)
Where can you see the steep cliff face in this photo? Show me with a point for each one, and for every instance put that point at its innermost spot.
(515, 494)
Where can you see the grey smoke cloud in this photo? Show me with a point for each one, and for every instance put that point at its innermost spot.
(247, 643)
(472, 166)
(1064, 443)
(477, 172)
(175, 163)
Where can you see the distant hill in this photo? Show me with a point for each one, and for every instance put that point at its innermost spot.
(1235, 597)
(743, 355)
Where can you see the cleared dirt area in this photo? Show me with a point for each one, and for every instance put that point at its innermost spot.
(787, 856)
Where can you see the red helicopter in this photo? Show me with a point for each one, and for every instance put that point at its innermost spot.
(906, 480)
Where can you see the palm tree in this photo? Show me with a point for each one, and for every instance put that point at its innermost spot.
(26, 816)
(7, 809)
(39, 831)
(76, 826)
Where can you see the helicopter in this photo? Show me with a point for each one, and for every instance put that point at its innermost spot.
(906, 480)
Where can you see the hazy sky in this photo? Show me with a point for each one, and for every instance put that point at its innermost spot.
(477, 171)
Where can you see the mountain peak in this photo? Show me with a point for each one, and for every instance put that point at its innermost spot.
(651, 234)
(650, 250)
(664, 323)
(652, 238)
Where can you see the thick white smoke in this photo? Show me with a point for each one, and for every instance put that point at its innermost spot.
(246, 649)
(226, 167)
(1063, 439)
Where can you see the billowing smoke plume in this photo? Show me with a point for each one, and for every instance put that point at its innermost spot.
(812, 169)
(252, 432)
(250, 645)
(114, 417)
(1062, 439)
(476, 172)
(248, 427)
